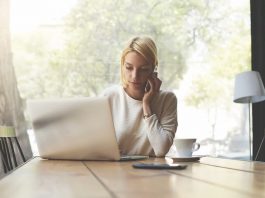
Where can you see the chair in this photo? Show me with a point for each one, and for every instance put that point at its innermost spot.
(7, 153)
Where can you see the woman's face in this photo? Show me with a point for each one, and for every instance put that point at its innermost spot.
(136, 71)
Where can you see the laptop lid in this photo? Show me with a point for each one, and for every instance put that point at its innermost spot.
(74, 129)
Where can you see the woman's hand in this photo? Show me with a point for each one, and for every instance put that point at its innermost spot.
(155, 84)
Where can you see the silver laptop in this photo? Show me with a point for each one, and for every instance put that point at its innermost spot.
(75, 129)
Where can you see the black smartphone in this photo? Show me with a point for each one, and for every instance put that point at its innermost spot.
(147, 86)
(159, 166)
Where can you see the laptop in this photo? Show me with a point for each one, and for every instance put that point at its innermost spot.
(75, 129)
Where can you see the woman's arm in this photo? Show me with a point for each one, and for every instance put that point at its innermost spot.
(161, 131)
(155, 84)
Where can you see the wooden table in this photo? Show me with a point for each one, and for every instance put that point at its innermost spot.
(211, 177)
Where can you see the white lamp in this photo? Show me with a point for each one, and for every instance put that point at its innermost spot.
(249, 89)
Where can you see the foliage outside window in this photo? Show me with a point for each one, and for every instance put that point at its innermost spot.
(202, 45)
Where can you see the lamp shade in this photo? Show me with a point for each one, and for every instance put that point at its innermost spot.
(248, 88)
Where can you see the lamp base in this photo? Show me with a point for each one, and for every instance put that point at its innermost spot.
(260, 146)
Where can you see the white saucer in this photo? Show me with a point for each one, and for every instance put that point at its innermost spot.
(185, 159)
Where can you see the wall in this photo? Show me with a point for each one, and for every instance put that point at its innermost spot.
(258, 64)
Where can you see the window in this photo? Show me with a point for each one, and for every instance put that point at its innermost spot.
(67, 48)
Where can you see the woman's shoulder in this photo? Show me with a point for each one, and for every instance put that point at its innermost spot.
(167, 95)
(112, 90)
(165, 98)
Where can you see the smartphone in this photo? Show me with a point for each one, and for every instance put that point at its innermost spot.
(159, 166)
(147, 86)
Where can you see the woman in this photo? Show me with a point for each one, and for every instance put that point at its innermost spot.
(145, 118)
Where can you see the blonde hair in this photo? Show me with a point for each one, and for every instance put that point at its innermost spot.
(146, 47)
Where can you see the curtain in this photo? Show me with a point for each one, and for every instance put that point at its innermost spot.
(11, 104)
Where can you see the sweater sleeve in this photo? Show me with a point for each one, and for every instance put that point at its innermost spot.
(161, 131)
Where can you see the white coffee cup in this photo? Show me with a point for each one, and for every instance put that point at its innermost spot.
(185, 147)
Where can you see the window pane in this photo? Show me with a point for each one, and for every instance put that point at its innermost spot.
(65, 48)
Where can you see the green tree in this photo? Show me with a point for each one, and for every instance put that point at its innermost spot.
(96, 32)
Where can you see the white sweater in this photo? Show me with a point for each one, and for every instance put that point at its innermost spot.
(137, 136)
